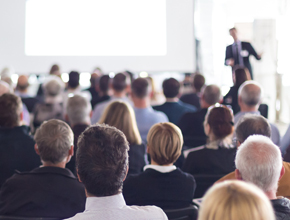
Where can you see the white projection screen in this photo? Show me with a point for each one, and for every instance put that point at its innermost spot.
(138, 35)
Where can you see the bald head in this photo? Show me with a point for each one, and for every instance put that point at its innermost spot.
(211, 94)
(250, 94)
(22, 83)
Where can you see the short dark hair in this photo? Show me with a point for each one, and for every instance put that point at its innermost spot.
(104, 83)
(140, 88)
(251, 124)
(198, 82)
(102, 159)
(74, 79)
(233, 29)
(241, 75)
(10, 110)
(120, 82)
(170, 88)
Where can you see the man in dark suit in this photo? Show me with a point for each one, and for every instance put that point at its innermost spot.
(51, 190)
(239, 52)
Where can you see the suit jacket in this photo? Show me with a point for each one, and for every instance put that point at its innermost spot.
(165, 190)
(282, 208)
(191, 99)
(16, 152)
(191, 125)
(283, 185)
(44, 192)
(136, 158)
(246, 46)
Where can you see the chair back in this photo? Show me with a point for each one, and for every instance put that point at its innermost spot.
(188, 213)
(3, 217)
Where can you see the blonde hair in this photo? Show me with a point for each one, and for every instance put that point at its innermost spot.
(164, 142)
(235, 200)
(121, 115)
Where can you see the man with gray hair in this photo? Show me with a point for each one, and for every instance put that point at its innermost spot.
(249, 98)
(191, 124)
(51, 190)
(259, 161)
(78, 114)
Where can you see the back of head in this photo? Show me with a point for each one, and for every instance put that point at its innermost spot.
(120, 82)
(236, 200)
(54, 139)
(140, 88)
(121, 116)
(220, 120)
(211, 94)
(171, 88)
(164, 142)
(54, 69)
(53, 87)
(198, 82)
(104, 83)
(74, 79)
(241, 74)
(78, 110)
(251, 124)
(10, 110)
(259, 161)
(250, 93)
(102, 160)
(22, 83)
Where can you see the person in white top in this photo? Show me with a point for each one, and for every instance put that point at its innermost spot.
(102, 165)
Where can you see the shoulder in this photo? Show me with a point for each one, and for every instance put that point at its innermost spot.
(160, 116)
(148, 212)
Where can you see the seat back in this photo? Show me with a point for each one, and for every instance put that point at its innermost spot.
(3, 217)
(204, 182)
(188, 213)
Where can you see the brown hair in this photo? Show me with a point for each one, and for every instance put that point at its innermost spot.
(241, 74)
(165, 141)
(10, 110)
(140, 88)
(198, 82)
(121, 115)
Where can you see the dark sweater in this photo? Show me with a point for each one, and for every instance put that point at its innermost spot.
(165, 190)
(282, 208)
(136, 158)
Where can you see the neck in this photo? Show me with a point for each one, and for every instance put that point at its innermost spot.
(271, 195)
(119, 94)
(141, 103)
(50, 164)
(175, 99)
(86, 122)
(249, 108)
(166, 165)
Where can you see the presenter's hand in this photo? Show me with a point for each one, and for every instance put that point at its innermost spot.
(230, 62)
(260, 55)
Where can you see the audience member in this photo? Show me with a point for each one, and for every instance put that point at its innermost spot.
(218, 155)
(173, 107)
(102, 164)
(16, 145)
(235, 200)
(259, 161)
(146, 116)
(161, 183)
(50, 190)
(120, 85)
(22, 92)
(78, 112)
(249, 99)
(121, 116)
(193, 98)
(240, 75)
(103, 88)
(252, 124)
(94, 88)
(191, 123)
(52, 108)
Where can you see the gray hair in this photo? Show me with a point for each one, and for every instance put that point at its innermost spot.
(251, 124)
(250, 93)
(54, 86)
(259, 161)
(78, 110)
(211, 94)
(54, 139)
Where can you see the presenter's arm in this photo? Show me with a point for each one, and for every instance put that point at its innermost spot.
(253, 52)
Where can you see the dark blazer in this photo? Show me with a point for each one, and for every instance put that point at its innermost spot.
(210, 161)
(174, 110)
(231, 98)
(191, 125)
(191, 99)
(136, 158)
(165, 190)
(44, 192)
(282, 208)
(16, 152)
(247, 47)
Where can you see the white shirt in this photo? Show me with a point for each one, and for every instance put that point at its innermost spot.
(114, 207)
(161, 169)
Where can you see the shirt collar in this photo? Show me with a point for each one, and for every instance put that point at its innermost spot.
(105, 202)
(161, 169)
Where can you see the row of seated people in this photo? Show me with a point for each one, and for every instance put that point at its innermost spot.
(161, 183)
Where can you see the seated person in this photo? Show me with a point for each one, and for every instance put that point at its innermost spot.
(235, 200)
(121, 116)
(102, 164)
(218, 155)
(50, 190)
(173, 107)
(161, 183)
